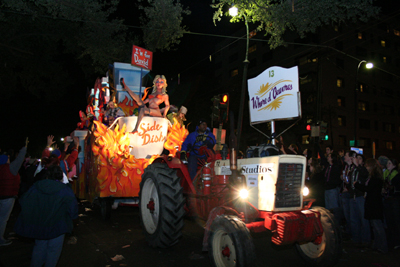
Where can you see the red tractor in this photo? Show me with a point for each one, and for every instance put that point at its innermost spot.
(236, 197)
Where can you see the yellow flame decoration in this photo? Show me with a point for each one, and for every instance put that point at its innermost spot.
(176, 135)
(275, 104)
(118, 172)
(267, 87)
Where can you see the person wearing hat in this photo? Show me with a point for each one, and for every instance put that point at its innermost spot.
(382, 162)
(179, 117)
(9, 187)
(202, 136)
(66, 161)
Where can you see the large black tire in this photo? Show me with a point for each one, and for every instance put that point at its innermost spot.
(230, 243)
(161, 205)
(328, 252)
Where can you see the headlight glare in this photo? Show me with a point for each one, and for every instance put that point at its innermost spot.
(243, 193)
(306, 191)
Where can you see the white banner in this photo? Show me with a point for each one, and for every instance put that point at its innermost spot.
(150, 138)
(274, 95)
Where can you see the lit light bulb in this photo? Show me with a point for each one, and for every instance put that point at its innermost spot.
(233, 11)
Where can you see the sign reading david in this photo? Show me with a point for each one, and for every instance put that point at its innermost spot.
(141, 57)
(274, 95)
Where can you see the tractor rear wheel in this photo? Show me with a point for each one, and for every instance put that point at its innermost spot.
(230, 243)
(328, 251)
(161, 205)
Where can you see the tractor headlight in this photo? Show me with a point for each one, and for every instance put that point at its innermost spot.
(243, 193)
(306, 191)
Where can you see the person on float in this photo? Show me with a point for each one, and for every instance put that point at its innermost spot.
(155, 99)
(179, 117)
(112, 113)
(9, 187)
(202, 136)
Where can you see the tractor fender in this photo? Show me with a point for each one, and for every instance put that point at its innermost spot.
(182, 171)
(211, 217)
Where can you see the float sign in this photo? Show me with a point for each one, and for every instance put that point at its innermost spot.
(141, 57)
(150, 138)
(274, 95)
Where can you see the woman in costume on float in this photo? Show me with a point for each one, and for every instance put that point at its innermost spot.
(157, 97)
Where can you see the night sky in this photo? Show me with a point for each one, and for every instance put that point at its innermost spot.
(35, 117)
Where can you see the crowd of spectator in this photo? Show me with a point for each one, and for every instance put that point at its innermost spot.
(47, 203)
(364, 196)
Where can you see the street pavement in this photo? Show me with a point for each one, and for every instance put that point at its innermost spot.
(98, 243)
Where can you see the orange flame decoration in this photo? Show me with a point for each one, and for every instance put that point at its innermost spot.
(128, 106)
(119, 172)
(175, 137)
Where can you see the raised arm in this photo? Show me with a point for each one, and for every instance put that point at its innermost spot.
(17, 163)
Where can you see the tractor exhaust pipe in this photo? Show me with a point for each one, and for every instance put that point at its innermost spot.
(232, 143)
(236, 177)
(233, 159)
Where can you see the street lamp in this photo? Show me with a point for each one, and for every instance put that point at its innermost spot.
(233, 11)
(368, 65)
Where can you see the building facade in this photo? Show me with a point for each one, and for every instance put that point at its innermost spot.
(336, 88)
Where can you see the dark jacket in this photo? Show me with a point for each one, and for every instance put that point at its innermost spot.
(395, 182)
(316, 186)
(373, 201)
(360, 174)
(332, 176)
(195, 140)
(28, 179)
(332, 172)
(348, 173)
(47, 210)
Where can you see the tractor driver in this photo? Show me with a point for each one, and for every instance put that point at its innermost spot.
(157, 97)
(202, 136)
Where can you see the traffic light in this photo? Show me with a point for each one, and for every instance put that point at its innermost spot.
(220, 108)
(308, 127)
(326, 137)
(224, 107)
(224, 99)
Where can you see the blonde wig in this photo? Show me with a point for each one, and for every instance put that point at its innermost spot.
(164, 90)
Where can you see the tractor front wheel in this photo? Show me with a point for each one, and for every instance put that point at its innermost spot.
(230, 243)
(161, 205)
(327, 252)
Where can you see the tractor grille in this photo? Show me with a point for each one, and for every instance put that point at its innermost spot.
(288, 185)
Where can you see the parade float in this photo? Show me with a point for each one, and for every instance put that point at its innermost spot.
(112, 159)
